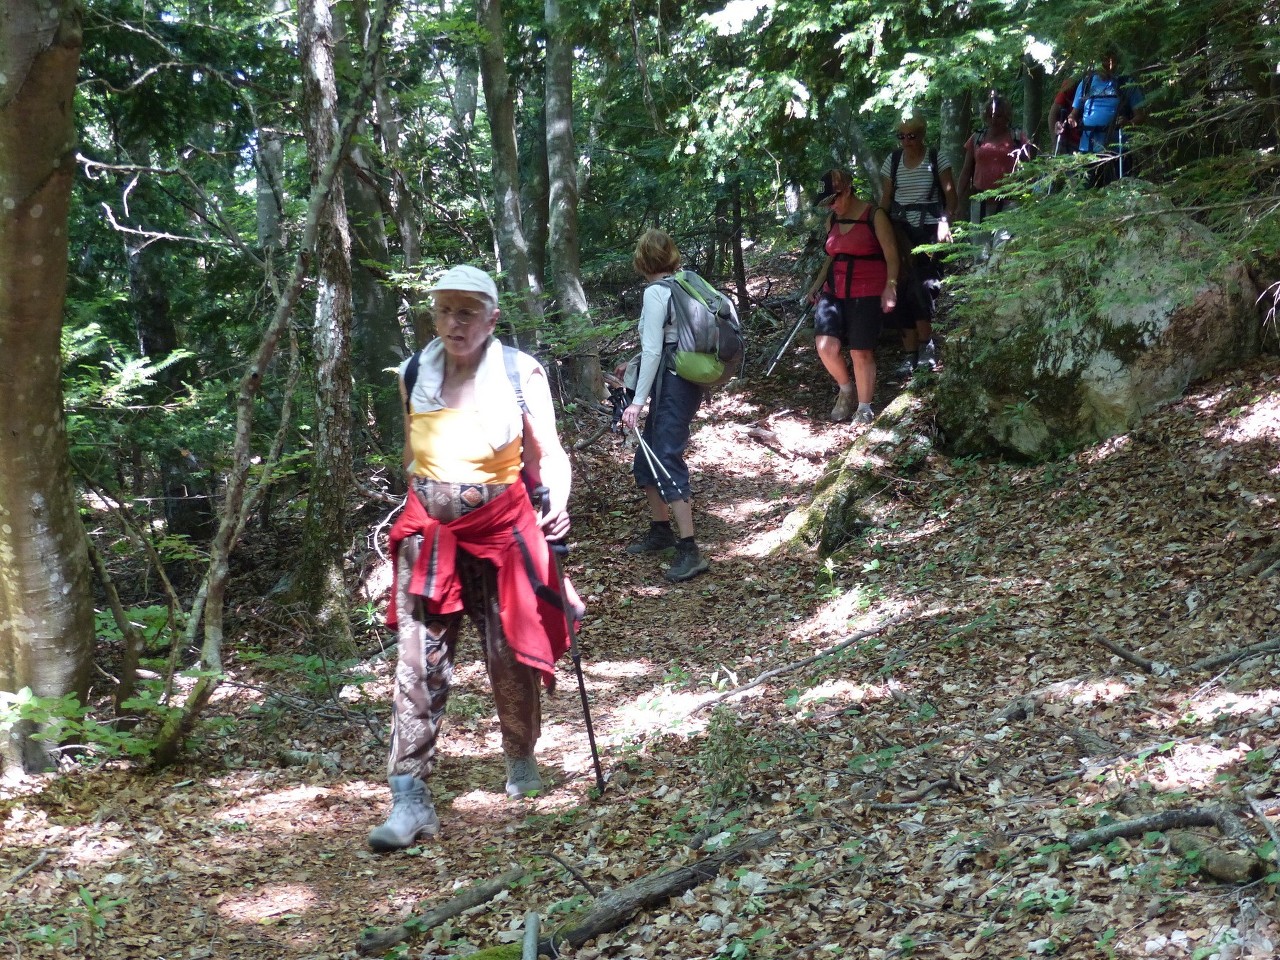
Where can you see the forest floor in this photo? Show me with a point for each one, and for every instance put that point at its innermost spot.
(928, 779)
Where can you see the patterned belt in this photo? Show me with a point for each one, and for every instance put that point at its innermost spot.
(449, 501)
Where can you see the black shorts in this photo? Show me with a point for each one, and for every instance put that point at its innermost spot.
(855, 322)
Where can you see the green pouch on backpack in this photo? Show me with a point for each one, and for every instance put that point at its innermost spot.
(699, 367)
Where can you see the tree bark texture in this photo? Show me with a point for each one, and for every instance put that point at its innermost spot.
(376, 339)
(321, 578)
(500, 99)
(585, 374)
(268, 164)
(46, 611)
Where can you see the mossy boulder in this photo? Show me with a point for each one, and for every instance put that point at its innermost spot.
(1078, 346)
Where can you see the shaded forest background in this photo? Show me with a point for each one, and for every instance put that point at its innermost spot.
(262, 192)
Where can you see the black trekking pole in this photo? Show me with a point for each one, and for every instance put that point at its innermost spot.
(786, 343)
(559, 550)
(1120, 153)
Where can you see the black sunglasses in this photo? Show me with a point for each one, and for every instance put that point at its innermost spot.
(908, 136)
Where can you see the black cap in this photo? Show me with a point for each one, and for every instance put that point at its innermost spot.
(834, 182)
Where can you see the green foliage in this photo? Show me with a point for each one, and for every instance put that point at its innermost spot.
(63, 720)
(726, 756)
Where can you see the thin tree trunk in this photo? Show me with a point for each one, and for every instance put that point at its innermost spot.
(739, 264)
(269, 196)
(957, 118)
(1033, 108)
(321, 578)
(377, 342)
(585, 375)
(536, 187)
(499, 96)
(210, 599)
(46, 610)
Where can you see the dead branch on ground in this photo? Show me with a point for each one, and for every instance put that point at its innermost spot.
(380, 940)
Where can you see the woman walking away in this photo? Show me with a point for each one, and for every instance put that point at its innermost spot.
(659, 466)
(477, 415)
(856, 285)
(920, 193)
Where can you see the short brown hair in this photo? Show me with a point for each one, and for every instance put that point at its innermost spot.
(655, 253)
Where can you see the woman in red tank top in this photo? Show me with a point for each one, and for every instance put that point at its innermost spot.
(854, 288)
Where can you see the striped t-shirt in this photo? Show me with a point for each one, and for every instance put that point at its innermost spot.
(916, 185)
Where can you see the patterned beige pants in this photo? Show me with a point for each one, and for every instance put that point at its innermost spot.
(424, 670)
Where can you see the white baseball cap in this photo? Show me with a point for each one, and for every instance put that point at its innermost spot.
(468, 279)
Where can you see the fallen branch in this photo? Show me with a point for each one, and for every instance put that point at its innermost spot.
(616, 908)
(1142, 663)
(28, 869)
(1231, 656)
(380, 940)
(1229, 867)
(1262, 566)
(788, 668)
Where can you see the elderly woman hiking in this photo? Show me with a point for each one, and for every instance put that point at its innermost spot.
(478, 415)
(855, 286)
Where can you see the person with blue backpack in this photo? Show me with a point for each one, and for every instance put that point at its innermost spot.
(659, 467)
(1104, 104)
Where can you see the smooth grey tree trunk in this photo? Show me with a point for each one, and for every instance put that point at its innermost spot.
(585, 375)
(1033, 108)
(46, 610)
(321, 580)
(269, 196)
(499, 97)
(957, 119)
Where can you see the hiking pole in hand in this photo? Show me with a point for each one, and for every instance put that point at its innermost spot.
(1120, 153)
(791, 336)
(655, 465)
(560, 550)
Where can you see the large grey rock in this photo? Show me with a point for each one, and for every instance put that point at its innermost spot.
(1095, 340)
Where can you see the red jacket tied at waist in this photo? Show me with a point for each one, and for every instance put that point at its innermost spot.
(505, 532)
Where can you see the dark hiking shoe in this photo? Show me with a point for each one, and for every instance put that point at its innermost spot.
(689, 562)
(927, 358)
(660, 537)
(522, 776)
(412, 816)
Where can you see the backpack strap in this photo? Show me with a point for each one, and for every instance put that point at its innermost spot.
(411, 377)
(510, 360)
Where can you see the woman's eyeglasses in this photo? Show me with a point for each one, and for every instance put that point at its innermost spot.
(464, 316)
(908, 136)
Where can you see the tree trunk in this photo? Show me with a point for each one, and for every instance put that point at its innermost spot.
(269, 167)
(957, 118)
(739, 264)
(855, 145)
(536, 187)
(46, 611)
(585, 376)
(500, 99)
(321, 578)
(1033, 108)
(377, 342)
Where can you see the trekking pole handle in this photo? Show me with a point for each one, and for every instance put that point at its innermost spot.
(542, 498)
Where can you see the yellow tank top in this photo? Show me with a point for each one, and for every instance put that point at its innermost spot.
(449, 445)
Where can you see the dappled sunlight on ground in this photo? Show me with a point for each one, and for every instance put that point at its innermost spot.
(267, 902)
